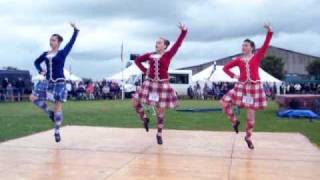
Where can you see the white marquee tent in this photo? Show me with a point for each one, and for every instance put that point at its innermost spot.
(220, 76)
(126, 73)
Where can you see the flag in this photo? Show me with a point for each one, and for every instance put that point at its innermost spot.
(121, 55)
(214, 66)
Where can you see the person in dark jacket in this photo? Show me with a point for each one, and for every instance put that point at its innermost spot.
(53, 88)
(20, 87)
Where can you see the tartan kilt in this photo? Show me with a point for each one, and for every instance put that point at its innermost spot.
(167, 96)
(255, 90)
(40, 90)
(54, 92)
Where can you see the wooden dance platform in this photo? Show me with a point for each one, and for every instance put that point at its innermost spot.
(116, 153)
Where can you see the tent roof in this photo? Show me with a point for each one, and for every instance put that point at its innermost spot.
(129, 71)
(220, 76)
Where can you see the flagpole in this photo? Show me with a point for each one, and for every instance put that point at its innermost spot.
(122, 69)
(213, 70)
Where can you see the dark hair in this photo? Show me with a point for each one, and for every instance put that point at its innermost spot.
(166, 42)
(251, 44)
(59, 37)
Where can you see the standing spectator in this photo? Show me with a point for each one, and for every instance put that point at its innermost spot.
(297, 88)
(20, 87)
(224, 88)
(118, 90)
(81, 91)
(283, 88)
(190, 92)
(291, 89)
(74, 89)
(105, 91)
(274, 91)
(197, 90)
(267, 89)
(318, 89)
(206, 90)
(69, 89)
(96, 90)
(89, 91)
(114, 90)
(307, 88)
(10, 92)
(216, 91)
(4, 85)
(313, 87)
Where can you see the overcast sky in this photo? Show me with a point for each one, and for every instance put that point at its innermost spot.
(216, 29)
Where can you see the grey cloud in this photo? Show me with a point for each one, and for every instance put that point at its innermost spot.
(216, 28)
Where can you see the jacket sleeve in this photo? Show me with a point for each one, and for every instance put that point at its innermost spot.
(263, 49)
(173, 50)
(38, 61)
(66, 50)
(138, 61)
(228, 66)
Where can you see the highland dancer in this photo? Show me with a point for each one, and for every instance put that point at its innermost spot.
(248, 92)
(53, 88)
(155, 90)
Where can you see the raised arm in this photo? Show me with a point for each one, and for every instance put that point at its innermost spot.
(66, 50)
(173, 50)
(230, 65)
(262, 51)
(38, 61)
(138, 61)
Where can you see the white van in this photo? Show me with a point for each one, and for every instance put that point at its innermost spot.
(180, 80)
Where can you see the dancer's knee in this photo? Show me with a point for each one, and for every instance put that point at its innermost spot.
(134, 102)
(223, 103)
(160, 111)
(251, 114)
(57, 107)
(33, 98)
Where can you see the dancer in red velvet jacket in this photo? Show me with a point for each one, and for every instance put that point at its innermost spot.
(248, 92)
(155, 90)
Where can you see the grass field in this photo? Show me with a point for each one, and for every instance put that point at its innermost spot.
(21, 119)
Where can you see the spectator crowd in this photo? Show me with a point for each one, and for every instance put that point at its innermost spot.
(95, 90)
(17, 91)
(217, 90)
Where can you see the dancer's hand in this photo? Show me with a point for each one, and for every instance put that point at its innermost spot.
(268, 26)
(183, 27)
(74, 26)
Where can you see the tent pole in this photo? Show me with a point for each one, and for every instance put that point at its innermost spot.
(122, 69)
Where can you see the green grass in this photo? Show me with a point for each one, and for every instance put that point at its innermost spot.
(21, 119)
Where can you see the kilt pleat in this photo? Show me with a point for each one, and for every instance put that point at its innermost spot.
(240, 90)
(46, 90)
(167, 96)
